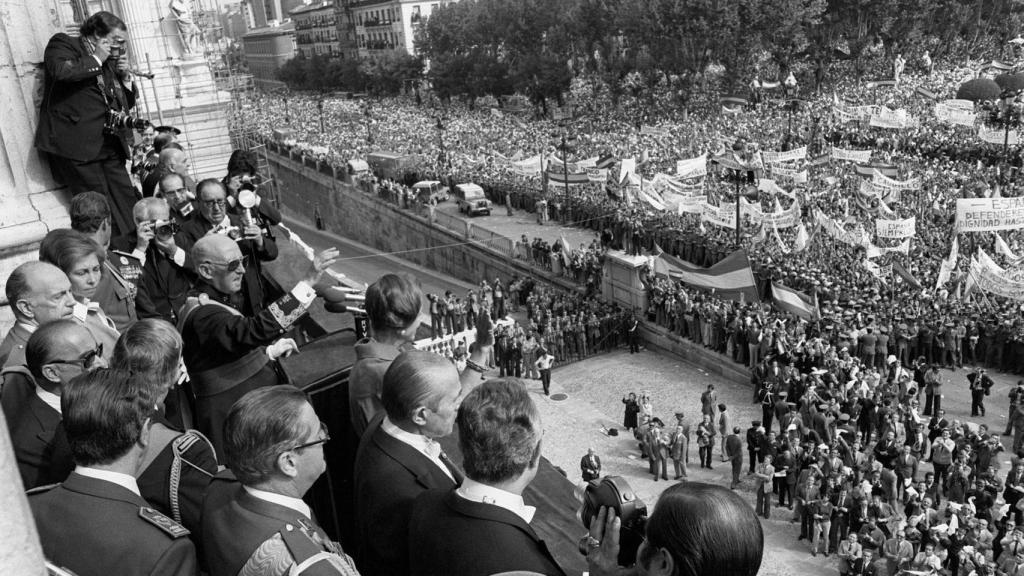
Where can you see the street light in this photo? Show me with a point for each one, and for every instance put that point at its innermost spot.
(368, 114)
(740, 167)
(320, 107)
(287, 116)
(442, 155)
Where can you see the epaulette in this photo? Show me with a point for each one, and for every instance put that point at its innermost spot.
(165, 524)
(41, 489)
(125, 254)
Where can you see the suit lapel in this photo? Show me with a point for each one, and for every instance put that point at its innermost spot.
(426, 472)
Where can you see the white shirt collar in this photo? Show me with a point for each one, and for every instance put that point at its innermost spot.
(287, 501)
(418, 442)
(30, 328)
(125, 481)
(49, 398)
(477, 492)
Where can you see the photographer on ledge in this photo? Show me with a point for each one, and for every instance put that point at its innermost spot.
(84, 123)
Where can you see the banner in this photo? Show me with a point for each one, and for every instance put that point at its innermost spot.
(965, 105)
(834, 229)
(691, 205)
(895, 228)
(787, 218)
(989, 214)
(654, 131)
(798, 177)
(880, 272)
(724, 216)
(998, 135)
(730, 278)
(876, 251)
(926, 93)
(948, 264)
(989, 279)
(558, 177)
(626, 166)
(954, 115)
(692, 167)
(768, 185)
(880, 180)
(597, 174)
(892, 119)
(528, 167)
(779, 157)
(870, 190)
(859, 156)
(496, 113)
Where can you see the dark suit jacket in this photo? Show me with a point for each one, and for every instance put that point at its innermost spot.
(237, 524)
(389, 475)
(12, 349)
(96, 528)
(163, 285)
(40, 445)
(451, 535)
(73, 108)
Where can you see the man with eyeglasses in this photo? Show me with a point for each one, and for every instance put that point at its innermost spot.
(228, 353)
(179, 198)
(55, 353)
(96, 521)
(254, 519)
(255, 243)
(38, 293)
(167, 272)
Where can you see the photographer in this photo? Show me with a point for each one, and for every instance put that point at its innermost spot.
(696, 529)
(167, 273)
(242, 175)
(88, 88)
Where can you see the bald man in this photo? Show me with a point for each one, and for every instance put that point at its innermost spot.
(56, 352)
(227, 353)
(172, 159)
(399, 457)
(37, 292)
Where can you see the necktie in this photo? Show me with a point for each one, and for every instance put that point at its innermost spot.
(453, 468)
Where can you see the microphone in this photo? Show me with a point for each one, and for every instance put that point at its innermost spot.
(339, 308)
(146, 75)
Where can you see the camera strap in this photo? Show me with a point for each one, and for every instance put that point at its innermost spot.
(114, 92)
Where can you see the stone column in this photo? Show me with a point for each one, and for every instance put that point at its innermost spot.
(20, 552)
(30, 202)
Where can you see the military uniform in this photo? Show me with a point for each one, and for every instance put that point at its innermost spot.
(248, 536)
(225, 351)
(118, 287)
(97, 528)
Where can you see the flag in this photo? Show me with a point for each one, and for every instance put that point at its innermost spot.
(730, 278)
(795, 302)
(566, 249)
(906, 275)
(802, 238)
(605, 161)
(558, 177)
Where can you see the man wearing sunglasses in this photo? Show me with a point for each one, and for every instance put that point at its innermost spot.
(227, 352)
(55, 353)
(274, 447)
(256, 243)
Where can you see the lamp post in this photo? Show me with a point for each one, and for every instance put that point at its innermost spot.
(442, 155)
(368, 115)
(740, 169)
(320, 108)
(287, 116)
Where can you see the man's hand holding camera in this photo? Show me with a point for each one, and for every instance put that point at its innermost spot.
(144, 233)
(254, 233)
(160, 233)
(602, 545)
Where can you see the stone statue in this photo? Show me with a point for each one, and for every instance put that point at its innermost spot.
(188, 31)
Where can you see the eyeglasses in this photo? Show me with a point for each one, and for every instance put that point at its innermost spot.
(86, 359)
(326, 437)
(176, 190)
(219, 203)
(233, 265)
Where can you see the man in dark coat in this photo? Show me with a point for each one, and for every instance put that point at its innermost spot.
(734, 452)
(483, 527)
(107, 416)
(399, 457)
(259, 524)
(590, 466)
(86, 78)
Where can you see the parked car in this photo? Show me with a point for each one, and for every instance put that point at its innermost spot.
(471, 200)
(428, 190)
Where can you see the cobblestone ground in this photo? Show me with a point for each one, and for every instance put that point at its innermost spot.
(596, 386)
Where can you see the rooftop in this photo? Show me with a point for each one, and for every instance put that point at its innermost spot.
(286, 28)
(329, 4)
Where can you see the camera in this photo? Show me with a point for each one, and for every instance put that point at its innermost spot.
(234, 232)
(165, 228)
(117, 121)
(615, 493)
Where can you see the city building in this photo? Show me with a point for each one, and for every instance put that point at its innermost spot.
(268, 13)
(316, 33)
(266, 50)
(380, 25)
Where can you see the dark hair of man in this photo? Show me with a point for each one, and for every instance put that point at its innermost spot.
(259, 427)
(165, 140)
(40, 345)
(101, 24)
(150, 349)
(171, 176)
(65, 248)
(498, 431)
(206, 183)
(88, 212)
(707, 529)
(410, 382)
(241, 162)
(393, 303)
(103, 414)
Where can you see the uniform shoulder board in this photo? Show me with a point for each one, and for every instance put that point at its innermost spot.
(125, 254)
(168, 526)
(41, 489)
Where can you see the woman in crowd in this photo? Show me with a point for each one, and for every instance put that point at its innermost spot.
(82, 260)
